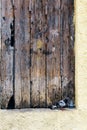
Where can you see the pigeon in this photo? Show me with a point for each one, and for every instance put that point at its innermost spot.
(62, 103)
(71, 104)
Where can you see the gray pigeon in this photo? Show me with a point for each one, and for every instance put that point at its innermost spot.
(62, 103)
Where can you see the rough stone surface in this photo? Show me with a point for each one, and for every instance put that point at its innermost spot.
(59, 120)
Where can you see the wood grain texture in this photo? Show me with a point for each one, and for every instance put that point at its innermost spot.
(37, 52)
(7, 53)
(67, 46)
(25, 57)
(37, 56)
(22, 65)
(18, 42)
(53, 47)
(0, 58)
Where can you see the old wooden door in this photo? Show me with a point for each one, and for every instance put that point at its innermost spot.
(37, 52)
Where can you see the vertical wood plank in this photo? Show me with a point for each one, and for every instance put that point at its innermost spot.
(0, 58)
(37, 56)
(71, 87)
(7, 53)
(53, 59)
(67, 10)
(44, 60)
(25, 57)
(17, 55)
(43, 31)
(22, 59)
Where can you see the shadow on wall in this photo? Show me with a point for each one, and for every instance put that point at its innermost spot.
(11, 104)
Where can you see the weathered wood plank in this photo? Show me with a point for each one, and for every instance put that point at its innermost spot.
(25, 57)
(38, 67)
(71, 88)
(67, 26)
(7, 53)
(53, 59)
(34, 81)
(22, 60)
(37, 56)
(42, 28)
(18, 41)
(0, 58)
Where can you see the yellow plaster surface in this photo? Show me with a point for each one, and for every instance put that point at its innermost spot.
(59, 120)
